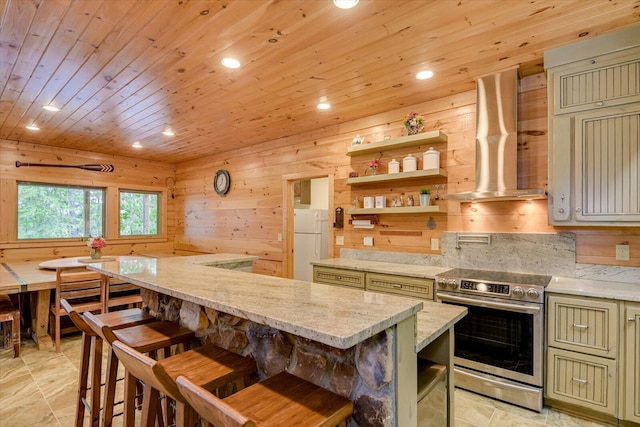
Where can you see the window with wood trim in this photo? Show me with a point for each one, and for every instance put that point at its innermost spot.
(139, 213)
(47, 211)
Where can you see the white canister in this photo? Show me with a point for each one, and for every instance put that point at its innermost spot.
(431, 159)
(409, 163)
(368, 202)
(394, 166)
(381, 201)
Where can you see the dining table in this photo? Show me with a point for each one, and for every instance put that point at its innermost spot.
(36, 279)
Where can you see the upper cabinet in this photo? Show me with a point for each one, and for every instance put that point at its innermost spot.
(594, 131)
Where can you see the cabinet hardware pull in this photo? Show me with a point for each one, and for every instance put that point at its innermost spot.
(579, 380)
(632, 319)
(599, 103)
(581, 326)
(397, 286)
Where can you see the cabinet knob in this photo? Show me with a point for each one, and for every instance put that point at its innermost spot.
(599, 103)
(631, 319)
(578, 210)
(561, 210)
(593, 61)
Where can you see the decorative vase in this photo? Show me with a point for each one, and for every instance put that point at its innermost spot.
(374, 171)
(96, 253)
(412, 130)
(425, 199)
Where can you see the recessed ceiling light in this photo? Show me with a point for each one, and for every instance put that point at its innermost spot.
(231, 63)
(345, 4)
(136, 145)
(168, 132)
(324, 106)
(423, 75)
(32, 127)
(51, 108)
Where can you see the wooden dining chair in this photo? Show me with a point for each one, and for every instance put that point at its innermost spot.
(10, 319)
(83, 289)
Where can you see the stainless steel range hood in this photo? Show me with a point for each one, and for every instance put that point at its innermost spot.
(497, 142)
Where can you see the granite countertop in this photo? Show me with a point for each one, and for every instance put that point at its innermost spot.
(434, 319)
(595, 288)
(333, 315)
(409, 270)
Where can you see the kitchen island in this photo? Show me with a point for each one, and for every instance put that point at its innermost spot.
(358, 344)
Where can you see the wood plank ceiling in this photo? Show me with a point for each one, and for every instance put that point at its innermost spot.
(124, 70)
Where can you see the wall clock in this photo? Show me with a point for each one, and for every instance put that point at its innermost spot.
(222, 182)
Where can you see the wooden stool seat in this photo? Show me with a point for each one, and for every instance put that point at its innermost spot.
(144, 338)
(207, 366)
(283, 399)
(9, 315)
(92, 352)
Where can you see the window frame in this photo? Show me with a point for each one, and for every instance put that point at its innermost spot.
(161, 213)
(104, 191)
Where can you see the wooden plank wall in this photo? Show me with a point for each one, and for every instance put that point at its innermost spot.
(249, 218)
(129, 174)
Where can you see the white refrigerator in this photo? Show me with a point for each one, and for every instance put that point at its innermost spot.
(310, 240)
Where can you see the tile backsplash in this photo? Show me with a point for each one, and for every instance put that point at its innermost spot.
(533, 253)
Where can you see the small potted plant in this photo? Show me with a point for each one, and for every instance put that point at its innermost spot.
(425, 196)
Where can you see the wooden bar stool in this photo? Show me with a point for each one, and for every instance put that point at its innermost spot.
(283, 399)
(208, 366)
(146, 338)
(9, 315)
(91, 355)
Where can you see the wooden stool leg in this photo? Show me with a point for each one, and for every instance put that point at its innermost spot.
(84, 375)
(129, 400)
(149, 407)
(95, 380)
(110, 389)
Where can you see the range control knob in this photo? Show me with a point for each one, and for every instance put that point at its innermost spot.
(442, 282)
(533, 293)
(452, 283)
(517, 292)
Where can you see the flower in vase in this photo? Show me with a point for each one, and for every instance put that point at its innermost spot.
(373, 165)
(96, 242)
(414, 123)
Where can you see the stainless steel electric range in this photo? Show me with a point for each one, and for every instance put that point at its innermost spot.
(499, 345)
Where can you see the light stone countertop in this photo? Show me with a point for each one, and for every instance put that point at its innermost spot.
(336, 316)
(434, 319)
(595, 288)
(408, 270)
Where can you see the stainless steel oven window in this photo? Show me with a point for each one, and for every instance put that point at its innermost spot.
(500, 338)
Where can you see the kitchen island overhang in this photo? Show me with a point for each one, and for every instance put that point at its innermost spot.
(356, 343)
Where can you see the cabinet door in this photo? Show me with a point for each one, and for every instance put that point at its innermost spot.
(586, 325)
(632, 362)
(598, 82)
(400, 285)
(607, 165)
(583, 380)
(340, 277)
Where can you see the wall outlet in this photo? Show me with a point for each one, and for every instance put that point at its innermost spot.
(435, 244)
(622, 252)
(367, 241)
(340, 240)
(279, 237)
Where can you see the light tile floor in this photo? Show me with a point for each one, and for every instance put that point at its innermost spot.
(39, 389)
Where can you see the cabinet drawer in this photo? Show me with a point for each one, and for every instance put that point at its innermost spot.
(599, 82)
(337, 276)
(583, 325)
(400, 285)
(580, 379)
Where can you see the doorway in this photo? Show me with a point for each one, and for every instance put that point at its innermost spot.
(311, 196)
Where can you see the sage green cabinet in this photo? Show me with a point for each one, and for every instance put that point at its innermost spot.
(631, 377)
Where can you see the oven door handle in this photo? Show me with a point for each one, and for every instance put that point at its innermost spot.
(534, 309)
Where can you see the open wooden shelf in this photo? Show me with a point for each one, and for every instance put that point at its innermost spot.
(434, 209)
(431, 137)
(390, 177)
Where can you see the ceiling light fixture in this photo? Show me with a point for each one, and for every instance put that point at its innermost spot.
(51, 108)
(345, 4)
(168, 132)
(32, 127)
(324, 106)
(231, 63)
(136, 145)
(423, 75)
